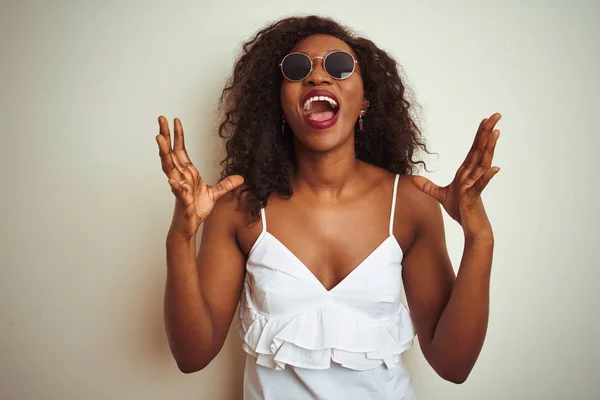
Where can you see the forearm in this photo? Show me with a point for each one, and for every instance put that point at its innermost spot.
(187, 318)
(461, 329)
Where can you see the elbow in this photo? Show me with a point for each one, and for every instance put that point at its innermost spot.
(190, 360)
(457, 379)
(451, 367)
(189, 370)
(454, 375)
(187, 367)
(191, 363)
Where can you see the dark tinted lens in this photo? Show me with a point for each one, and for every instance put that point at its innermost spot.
(296, 66)
(339, 64)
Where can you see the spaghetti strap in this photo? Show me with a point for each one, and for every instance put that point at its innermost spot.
(286, 311)
(393, 205)
(264, 219)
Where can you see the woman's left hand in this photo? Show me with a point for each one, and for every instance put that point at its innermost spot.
(462, 197)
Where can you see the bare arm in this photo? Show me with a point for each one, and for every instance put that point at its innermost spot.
(452, 314)
(202, 291)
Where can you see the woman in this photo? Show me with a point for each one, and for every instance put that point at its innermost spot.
(318, 223)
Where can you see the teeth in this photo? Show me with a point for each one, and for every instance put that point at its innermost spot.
(308, 103)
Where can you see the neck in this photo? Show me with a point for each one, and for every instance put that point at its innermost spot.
(326, 175)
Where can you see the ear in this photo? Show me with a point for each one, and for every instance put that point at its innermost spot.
(364, 107)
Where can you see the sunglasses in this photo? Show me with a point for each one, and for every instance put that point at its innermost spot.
(338, 64)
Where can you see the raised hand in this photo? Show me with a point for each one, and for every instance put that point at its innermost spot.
(461, 198)
(194, 199)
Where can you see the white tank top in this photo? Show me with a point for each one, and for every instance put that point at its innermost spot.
(306, 342)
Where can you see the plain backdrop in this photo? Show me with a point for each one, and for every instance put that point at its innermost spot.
(85, 206)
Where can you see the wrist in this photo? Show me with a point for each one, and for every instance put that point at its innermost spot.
(483, 238)
(179, 238)
(475, 222)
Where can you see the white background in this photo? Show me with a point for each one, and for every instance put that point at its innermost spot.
(85, 206)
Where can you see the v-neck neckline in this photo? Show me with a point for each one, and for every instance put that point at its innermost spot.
(356, 268)
(313, 276)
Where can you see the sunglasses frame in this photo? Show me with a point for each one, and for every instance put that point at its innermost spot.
(312, 65)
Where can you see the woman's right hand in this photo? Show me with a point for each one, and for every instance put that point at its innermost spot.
(194, 199)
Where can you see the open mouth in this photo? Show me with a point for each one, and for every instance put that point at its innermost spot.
(320, 109)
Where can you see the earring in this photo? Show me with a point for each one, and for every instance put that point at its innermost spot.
(360, 120)
(283, 126)
(361, 115)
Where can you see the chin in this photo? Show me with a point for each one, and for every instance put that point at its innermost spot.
(323, 141)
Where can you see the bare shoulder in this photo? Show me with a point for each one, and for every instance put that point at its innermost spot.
(409, 197)
(408, 193)
(233, 213)
(415, 212)
(420, 204)
(229, 210)
(377, 177)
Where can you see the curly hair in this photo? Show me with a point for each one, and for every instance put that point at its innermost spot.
(252, 114)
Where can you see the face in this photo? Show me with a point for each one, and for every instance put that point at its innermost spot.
(318, 124)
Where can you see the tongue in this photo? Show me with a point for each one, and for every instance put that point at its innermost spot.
(321, 116)
(320, 111)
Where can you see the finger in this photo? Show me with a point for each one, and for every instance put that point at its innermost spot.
(477, 149)
(475, 140)
(488, 154)
(164, 129)
(474, 172)
(182, 168)
(181, 152)
(428, 187)
(183, 160)
(224, 186)
(492, 121)
(170, 166)
(483, 181)
(179, 146)
(164, 151)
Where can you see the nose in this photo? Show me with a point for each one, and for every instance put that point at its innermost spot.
(318, 76)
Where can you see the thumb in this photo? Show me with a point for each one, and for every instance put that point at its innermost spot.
(225, 185)
(428, 187)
